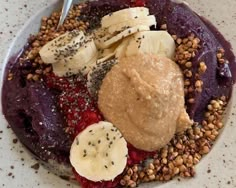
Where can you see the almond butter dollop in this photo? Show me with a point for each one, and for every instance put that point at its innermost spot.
(143, 96)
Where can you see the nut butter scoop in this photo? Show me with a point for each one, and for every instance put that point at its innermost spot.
(143, 96)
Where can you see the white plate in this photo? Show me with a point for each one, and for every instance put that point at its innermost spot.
(221, 161)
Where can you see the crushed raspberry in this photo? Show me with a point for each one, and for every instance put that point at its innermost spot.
(75, 103)
(88, 117)
(136, 155)
(103, 184)
(139, 3)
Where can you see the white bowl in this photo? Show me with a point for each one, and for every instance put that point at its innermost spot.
(221, 161)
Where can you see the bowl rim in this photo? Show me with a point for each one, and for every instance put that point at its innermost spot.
(10, 50)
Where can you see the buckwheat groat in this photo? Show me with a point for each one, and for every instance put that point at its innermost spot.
(143, 96)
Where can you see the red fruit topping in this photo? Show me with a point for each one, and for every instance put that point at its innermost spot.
(90, 184)
(138, 3)
(88, 117)
(75, 103)
(136, 155)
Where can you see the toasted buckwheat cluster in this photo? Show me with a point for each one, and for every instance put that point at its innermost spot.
(183, 152)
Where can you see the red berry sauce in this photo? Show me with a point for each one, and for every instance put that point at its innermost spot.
(75, 103)
(102, 184)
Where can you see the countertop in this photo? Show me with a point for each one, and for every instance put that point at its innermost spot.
(19, 169)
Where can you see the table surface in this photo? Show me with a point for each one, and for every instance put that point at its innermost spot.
(217, 169)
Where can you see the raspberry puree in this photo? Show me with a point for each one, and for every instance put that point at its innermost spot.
(76, 105)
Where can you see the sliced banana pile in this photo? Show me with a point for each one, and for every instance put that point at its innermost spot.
(99, 152)
(122, 33)
(123, 23)
(126, 33)
(70, 53)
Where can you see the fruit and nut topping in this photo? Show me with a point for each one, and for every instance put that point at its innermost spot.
(127, 91)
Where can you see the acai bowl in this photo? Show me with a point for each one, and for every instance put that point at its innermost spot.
(164, 152)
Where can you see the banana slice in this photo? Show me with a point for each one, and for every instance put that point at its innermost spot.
(80, 62)
(101, 34)
(115, 51)
(124, 15)
(148, 20)
(106, 52)
(84, 54)
(121, 49)
(71, 68)
(107, 57)
(154, 42)
(107, 42)
(97, 74)
(88, 66)
(99, 152)
(62, 47)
